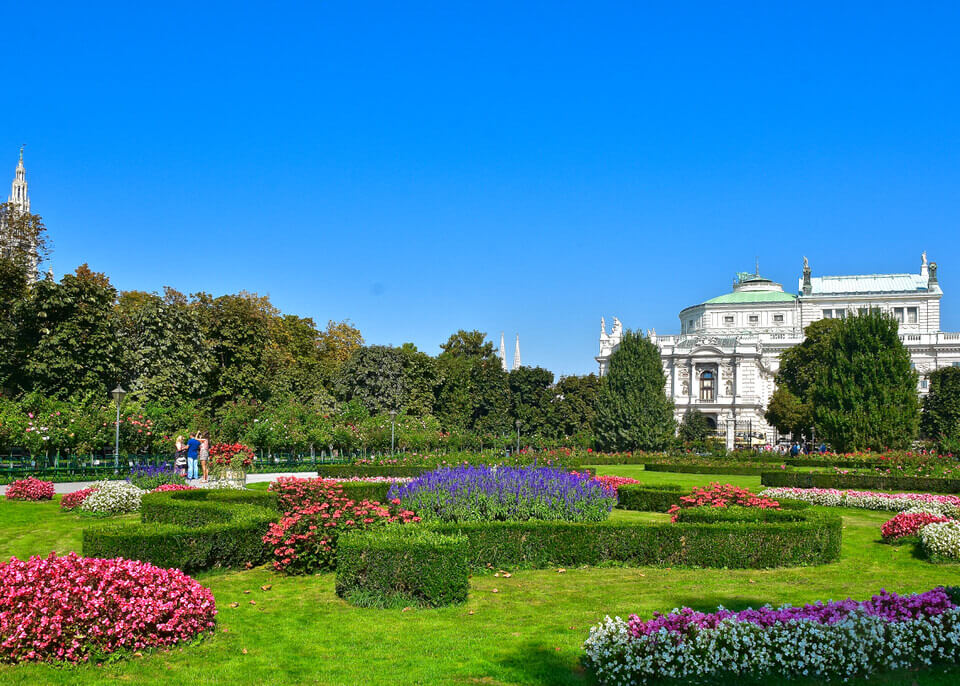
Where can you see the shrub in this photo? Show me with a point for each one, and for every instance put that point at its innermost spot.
(74, 609)
(304, 541)
(771, 539)
(820, 641)
(165, 488)
(907, 524)
(113, 497)
(859, 481)
(941, 540)
(505, 494)
(71, 501)
(191, 530)
(704, 467)
(148, 477)
(722, 495)
(30, 489)
(399, 565)
(614, 482)
(658, 498)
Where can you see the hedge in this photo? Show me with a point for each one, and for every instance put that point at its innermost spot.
(190, 530)
(923, 484)
(402, 565)
(648, 498)
(346, 471)
(772, 539)
(704, 469)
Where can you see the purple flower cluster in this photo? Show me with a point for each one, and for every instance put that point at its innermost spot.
(482, 493)
(888, 606)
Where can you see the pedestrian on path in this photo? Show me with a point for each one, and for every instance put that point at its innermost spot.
(204, 456)
(193, 453)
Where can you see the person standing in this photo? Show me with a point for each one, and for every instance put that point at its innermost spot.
(180, 457)
(204, 457)
(193, 453)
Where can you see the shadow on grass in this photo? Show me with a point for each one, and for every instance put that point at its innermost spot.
(535, 664)
(709, 603)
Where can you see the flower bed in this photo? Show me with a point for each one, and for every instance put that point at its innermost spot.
(72, 501)
(907, 524)
(113, 497)
(484, 493)
(880, 481)
(74, 608)
(941, 540)
(824, 640)
(947, 505)
(722, 495)
(30, 489)
(148, 476)
(163, 488)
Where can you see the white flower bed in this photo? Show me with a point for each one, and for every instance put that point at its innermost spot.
(947, 505)
(113, 497)
(859, 644)
(220, 484)
(941, 540)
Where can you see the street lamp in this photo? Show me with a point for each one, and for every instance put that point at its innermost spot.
(518, 435)
(118, 394)
(393, 417)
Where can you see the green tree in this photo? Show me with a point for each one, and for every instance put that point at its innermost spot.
(473, 393)
(23, 237)
(694, 428)
(575, 406)
(788, 413)
(633, 410)
(374, 376)
(941, 409)
(532, 398)
(14, 293)
(864, 394)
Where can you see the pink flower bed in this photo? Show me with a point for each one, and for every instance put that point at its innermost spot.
(72, 608)
(71, 501)
(173, 487)
(722, 495)
(907, 524)
(30, 489)
(613, 482)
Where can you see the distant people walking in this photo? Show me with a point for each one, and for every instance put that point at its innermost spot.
(204, 457)
(193, 453)
(794, 449)
(180, 457)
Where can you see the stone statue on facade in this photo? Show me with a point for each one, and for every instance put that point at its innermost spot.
(617, 331)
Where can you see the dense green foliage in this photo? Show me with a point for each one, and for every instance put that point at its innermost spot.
(879, 482)
(644, 498)
(400, 566)
(694, 427)
(633, 410)
(191, 530)
(941, 409)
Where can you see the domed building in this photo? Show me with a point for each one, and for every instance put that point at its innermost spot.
(724, 360)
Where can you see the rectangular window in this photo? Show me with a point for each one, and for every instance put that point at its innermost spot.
(754, 319)
(728, 319)
(862, 311)
(898, 314)
(912, 366)
(911, 315)
(828, 314)
(839, 314)
(923, 383)
(778, 318)
(956, 364)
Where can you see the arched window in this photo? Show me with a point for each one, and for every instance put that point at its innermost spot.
(707, 380)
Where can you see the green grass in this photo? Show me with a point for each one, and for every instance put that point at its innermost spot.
(529, 632)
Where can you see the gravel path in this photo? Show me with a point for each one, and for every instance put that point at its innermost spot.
(71, 486)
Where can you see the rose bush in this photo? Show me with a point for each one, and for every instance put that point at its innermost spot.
(907, 524)
(30, 489)
(722, 495)
(72, 501)
(74, 608)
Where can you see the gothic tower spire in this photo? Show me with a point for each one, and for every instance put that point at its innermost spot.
(503, 353)
(516, 354)
(18, 189)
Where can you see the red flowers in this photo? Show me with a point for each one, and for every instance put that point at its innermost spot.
(73, 500)
(71, 608)
(30, 489)
(316, 512)
(232, 454)
(173, 487)
(722, 495)
(613, 482)
(905, 524)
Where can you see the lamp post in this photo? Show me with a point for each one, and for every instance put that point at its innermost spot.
(518, 435)
(118, 394)
(393, 417)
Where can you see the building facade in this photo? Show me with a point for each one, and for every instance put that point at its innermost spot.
(726, 356)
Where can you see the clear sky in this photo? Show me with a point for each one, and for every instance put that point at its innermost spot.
(506, 166)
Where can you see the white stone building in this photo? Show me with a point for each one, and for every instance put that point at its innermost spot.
(724, 359)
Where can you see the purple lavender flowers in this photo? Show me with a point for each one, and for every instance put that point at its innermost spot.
(481, 493)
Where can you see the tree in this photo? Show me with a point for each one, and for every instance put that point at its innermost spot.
(69, 336)
(788, 413)
(633, 410)
(575, 403)
(694, 428)
(532, 400)
(294, 363)
(473, 391)
(374, 377)
(864, 394)
(337, 344)
(941, 409)
(470, 344)
(23, 237)
(14, 292)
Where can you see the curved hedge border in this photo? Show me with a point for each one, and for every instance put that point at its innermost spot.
(737, 539)
(190, 530)
(402, 565)
(646, 498)
(704, 469)
(927, 484)
(346, 471)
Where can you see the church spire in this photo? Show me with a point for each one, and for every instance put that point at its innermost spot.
(18, 189)
(516, 354)
(503, 353)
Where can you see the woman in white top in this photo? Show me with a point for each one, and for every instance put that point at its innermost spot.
(204, 457)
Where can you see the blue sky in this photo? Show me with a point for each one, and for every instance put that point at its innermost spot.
(519, 167)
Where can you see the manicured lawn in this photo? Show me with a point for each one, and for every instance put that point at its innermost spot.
(528, 632)
(636, 471)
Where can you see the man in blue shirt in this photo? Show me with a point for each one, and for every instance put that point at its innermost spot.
(193, 452)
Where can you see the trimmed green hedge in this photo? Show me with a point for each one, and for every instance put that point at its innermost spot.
(929, 484)
(618, 459)
(359, 490)
(345, 471)
(190, 530)
(771, 539)
(645, 498)
(704, 469)
(402, 565)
